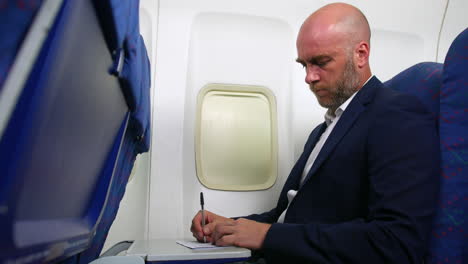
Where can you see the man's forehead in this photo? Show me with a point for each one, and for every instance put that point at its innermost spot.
(320, 35)
(319, 43)
(304, 58)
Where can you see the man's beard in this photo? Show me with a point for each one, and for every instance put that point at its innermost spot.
(346, 86)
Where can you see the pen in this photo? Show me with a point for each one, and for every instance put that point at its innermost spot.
(202, 203)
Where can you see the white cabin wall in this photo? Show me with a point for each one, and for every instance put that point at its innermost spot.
(236, 49)
(456, 20)
(404, 33)
(131, 222)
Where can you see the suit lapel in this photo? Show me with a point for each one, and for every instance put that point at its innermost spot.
(350, 115)
(299, 167)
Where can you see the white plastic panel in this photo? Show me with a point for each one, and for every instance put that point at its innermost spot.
(398, 50)
(456, 20)
(236, 138)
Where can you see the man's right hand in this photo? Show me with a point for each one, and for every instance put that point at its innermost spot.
(211, 220)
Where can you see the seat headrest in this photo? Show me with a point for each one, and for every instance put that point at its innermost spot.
(422, 80)
(455, 76)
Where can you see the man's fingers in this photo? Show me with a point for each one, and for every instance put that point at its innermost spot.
(196, 221)
(209, 228)
(226, 240)
(209, 231)
(197, 237)
(197, 234)
(223, 229)
(196, 227)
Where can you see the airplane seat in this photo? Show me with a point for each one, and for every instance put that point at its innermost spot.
(19, 17)
(74, 113)
(442, 88)
(422, 80)
(134, 76)
(449, 242)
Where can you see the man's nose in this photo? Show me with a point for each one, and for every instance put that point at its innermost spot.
(312, 75)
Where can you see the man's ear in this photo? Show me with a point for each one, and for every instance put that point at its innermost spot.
(362, 54)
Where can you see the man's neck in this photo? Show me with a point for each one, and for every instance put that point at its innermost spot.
(365, 78)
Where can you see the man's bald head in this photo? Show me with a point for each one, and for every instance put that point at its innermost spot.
(339, 20)
(333, 47)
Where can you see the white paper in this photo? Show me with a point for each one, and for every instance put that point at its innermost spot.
(195, 244)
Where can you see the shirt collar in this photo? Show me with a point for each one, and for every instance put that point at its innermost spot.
(339, 111)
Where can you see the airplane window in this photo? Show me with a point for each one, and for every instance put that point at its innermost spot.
(236, 137)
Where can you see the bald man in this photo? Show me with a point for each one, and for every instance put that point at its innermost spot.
(365, 187)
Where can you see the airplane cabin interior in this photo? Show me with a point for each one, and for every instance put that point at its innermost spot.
(115, 115)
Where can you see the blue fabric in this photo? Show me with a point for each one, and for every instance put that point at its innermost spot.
(120, 21)
(121, 26)
(450, 235)
(369, 197)
(125, 20)
(443, 89)
(422, 80)
(136, 75)
(15, 20)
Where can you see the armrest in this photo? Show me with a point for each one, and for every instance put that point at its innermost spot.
(117, 248)
(119, 260)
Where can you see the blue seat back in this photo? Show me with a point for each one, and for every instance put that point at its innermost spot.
(443, 89)
(121, 18)
(60, 146)
(449, 242)
(423, 80)
(15, 20)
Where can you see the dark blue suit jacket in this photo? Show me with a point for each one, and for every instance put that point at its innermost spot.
(371, 193)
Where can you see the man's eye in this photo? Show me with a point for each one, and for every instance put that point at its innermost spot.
(322, 63)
